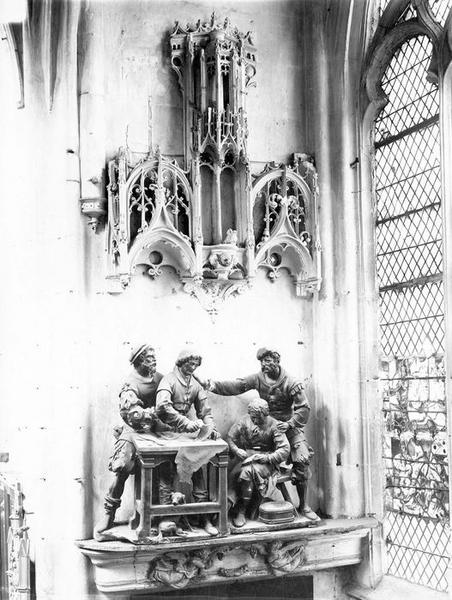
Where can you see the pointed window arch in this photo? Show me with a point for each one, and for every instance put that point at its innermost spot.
(402, 84)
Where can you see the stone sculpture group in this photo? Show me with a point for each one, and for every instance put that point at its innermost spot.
(176, 407)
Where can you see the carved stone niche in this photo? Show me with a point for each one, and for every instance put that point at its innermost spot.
(205, 218)
(285, 220)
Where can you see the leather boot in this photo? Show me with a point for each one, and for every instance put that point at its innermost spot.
(107, 521)
(243, 503)
(239, 520)
(304, 509)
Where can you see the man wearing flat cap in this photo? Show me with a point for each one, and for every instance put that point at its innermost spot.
(288, 404)
(137, 408)
(177, 394)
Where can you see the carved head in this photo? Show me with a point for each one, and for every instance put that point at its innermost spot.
(258, 411)
(142, 357)
(225, 259)
(269, 359)
(177, 498)
(188, 361)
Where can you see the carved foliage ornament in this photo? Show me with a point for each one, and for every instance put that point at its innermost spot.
(179, 569)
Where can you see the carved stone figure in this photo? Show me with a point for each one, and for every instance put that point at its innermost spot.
(288, 404)
(261, 448)
(137, 408)
(167, 528)
(177, 393)
(283, 558)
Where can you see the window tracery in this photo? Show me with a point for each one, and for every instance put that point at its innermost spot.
(402, 84)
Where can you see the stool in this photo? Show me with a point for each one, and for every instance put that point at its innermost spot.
(150, 456)
(285, 477)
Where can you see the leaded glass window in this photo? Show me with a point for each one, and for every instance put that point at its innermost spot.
(409, 273)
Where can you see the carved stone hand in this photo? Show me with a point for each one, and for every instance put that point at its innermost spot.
(283, 427)
(260, 458)
(241, 454)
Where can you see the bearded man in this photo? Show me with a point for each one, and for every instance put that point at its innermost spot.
(288, 404)
(137, 400)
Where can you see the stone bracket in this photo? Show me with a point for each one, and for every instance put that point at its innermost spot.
(123, 567)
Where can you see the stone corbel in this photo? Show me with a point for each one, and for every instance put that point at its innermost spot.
(95, 209)
(212, 293)
(126, 568)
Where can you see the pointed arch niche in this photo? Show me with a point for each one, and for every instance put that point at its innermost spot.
(201, 216)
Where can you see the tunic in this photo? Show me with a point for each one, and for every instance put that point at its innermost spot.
(263, 440)
(145, 388)
(285, 396)
(176, 396)
(287, 402)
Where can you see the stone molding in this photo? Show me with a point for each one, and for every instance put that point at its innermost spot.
(122, 567)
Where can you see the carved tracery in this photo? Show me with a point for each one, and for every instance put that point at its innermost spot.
(205, 217)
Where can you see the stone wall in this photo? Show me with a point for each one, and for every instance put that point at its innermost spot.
(65, 339)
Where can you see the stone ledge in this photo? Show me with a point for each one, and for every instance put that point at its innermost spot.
(394, 587)
(125, 567)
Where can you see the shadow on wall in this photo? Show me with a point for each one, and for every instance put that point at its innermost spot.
(228, 410)
(286, 588)
(329, 459)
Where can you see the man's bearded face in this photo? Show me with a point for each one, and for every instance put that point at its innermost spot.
(190, 365)
(147, 363)
(270, 365)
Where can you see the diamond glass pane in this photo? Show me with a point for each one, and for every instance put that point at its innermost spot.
(409, 272)
(440, 9)
(412, 320)
(417, 549)
(409, 229)
(412, 99)
(408, 157)
(411, 193)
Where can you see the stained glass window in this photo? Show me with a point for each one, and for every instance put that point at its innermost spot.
(409, 272)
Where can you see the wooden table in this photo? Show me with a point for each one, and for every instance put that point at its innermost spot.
(150, 456)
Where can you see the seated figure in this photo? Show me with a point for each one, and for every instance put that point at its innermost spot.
(288, 404)
(257, 442)
(177, 393)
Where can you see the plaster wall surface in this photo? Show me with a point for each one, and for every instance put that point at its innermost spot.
(65, 340)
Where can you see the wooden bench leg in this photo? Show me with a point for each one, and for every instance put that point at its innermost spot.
(283, 489)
